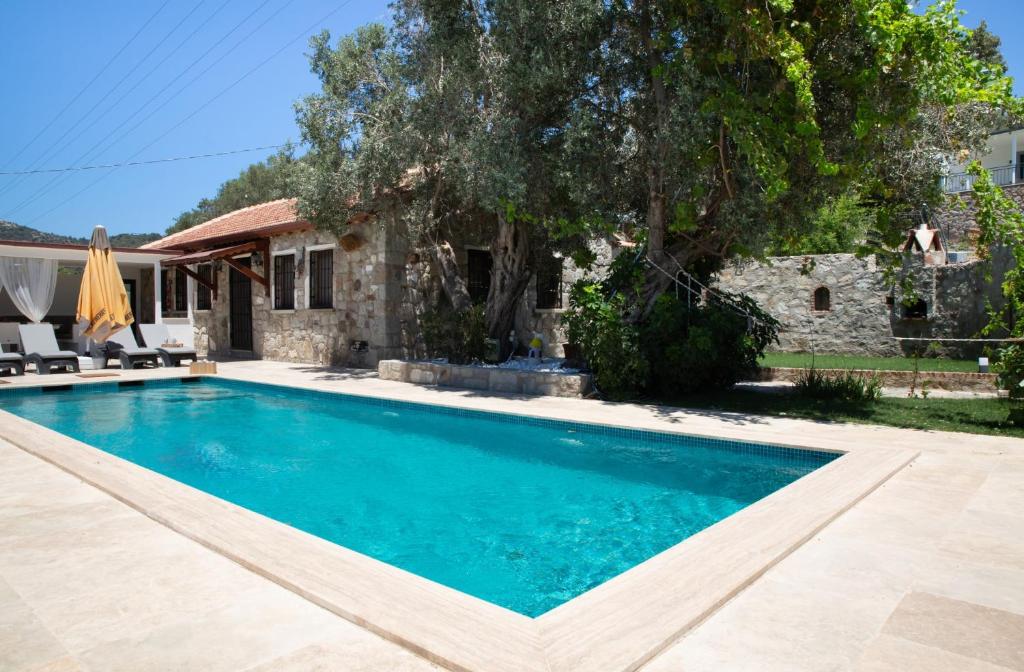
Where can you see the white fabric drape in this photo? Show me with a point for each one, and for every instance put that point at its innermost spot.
(30, 283)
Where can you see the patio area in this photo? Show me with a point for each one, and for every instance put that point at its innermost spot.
(926, 572)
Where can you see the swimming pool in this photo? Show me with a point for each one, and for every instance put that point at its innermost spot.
(524, 513)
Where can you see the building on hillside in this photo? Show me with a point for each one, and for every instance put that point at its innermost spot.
(1003, 157)
(262, 282)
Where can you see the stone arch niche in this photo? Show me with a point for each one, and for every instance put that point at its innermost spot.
(822, 300)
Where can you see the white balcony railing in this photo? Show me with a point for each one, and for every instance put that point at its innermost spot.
(1003, 175)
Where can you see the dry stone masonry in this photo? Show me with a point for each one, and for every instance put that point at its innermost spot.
(866, 310)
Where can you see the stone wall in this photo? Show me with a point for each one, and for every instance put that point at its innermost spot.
(488, 379)
(925, 380)
(421, 292)
(867, 310)
(367, 285)
(955, 219)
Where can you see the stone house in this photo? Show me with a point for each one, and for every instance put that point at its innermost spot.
(261, 282)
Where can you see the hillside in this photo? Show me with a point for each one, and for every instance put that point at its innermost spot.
(12, 231)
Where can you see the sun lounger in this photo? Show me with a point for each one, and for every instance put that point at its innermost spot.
(40, 345)
(123, 346)
(156, 335)
(13, 362)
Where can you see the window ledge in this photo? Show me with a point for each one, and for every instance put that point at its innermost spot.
(282, 310)
(549, 311)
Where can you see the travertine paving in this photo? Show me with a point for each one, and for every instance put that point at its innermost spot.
(925, 573)
(87, 583)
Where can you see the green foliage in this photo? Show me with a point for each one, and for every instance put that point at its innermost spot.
(840, 225)
(984, 46)
(1001, 223)
(703, 347)
(261, 182)
(1010, 367)
(460, 337)
(678, 348)
(611, 345)
(846, 386)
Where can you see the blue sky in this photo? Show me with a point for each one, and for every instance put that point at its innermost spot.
(51, 50)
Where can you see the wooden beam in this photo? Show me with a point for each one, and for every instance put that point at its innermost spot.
(212, 286)
(210, 255)
(249, 273)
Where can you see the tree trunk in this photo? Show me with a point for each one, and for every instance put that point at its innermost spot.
(656, 201)
(510, 274)
(451, 280)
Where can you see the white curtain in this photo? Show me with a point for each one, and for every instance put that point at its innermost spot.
(30, 283)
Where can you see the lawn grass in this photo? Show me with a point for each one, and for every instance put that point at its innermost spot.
(801, 360)
(974, 416)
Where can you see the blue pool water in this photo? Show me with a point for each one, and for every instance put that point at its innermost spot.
(524, 514)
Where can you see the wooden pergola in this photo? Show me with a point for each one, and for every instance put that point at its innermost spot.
(227, 254)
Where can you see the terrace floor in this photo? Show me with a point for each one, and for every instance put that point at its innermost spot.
(926, 572)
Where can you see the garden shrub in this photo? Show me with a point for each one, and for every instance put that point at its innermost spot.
(1010, 370)
(459, 337)
(677, 349)
(841, 386)
(709, 346)
(611, 346)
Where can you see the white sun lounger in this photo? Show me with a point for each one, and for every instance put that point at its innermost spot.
(13, 362)
(156, 335)
(123, 346)
(39, 343)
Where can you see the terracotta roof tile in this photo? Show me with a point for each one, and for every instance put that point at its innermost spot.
(254, 221)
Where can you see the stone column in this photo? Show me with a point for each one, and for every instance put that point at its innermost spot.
(158, 290)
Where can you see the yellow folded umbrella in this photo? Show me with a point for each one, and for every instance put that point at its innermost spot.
(102, 299)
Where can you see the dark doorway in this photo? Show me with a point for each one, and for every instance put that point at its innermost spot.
(241, 308)
(130, 290)
(1020, 167)
(918, 310)
(478, 275)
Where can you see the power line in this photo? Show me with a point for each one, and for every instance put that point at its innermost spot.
(56, 144)
(202, 107)
(143, 163)
(91, 154)
(91, 81)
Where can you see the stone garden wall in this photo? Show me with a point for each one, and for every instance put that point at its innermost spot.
(866, 311)
(489, 379)
(924, 380)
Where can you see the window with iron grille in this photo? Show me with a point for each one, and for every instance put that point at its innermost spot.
(203, 294)
(549, 284)
(284, 281)
(321, 275)
(478, 274)
(180, 291)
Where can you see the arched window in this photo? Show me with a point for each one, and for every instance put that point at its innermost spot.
(822, 299)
